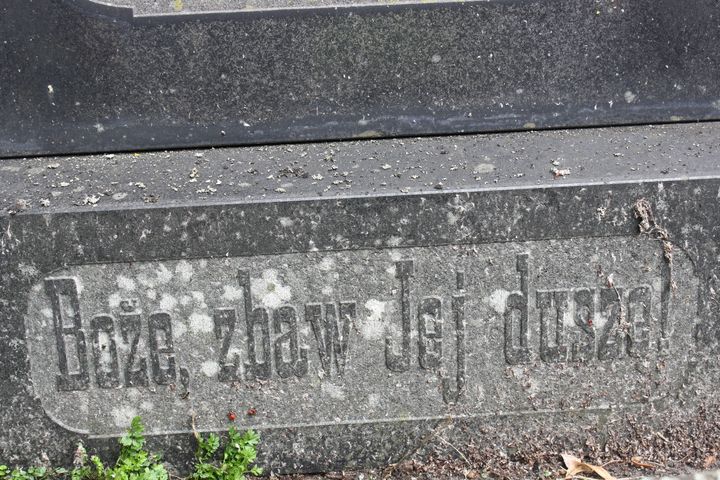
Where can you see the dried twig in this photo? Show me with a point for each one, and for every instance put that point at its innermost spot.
(649, 226)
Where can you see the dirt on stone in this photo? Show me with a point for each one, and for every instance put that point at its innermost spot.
(672, 444)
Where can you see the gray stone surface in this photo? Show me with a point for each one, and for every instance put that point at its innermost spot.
(94, 78)
(131, 292)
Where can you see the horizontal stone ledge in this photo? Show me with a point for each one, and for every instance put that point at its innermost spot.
(348, 325)
(331, 170)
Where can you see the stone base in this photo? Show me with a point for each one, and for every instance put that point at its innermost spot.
(353, 301)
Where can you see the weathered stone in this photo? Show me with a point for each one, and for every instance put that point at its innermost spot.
(347, 324)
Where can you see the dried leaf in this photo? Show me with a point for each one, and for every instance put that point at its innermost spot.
(709, 461)
(560, 172)
(638, 462)
(571, 461)
(576, 466)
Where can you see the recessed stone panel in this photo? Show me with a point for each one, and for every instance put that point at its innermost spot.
(367, 335)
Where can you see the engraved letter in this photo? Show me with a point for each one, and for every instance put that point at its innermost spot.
(458, 308)
(584, 311)
(161, 343)
(638, 340)
(297, 363)
(332, 334)
(224, 320)
(516, 318)
(401, 362)
(107, 372)
(610, 336)
(430, 340)
(553, 307)
(665, 295)
(63, 294)
(255, 317)
(135, 376)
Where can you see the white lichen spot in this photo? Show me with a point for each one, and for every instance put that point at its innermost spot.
(114, 300)
(630, 97)
(286, 222)
(126, 283)
(269, 290)
(163, 274)
(200, 323)
(498, 300)
(391, 270)
(179, 329)
(167, 302)
(28, 270)
(327, 290)
(327, 264)
(199, 299)
(482, 168)
(210, 368)
(452, 218)
(47, 313)
(151, 294)
(372, 328)
(184, 270)
(122, 416)
(395, 256)
(373, 400)
(394, 241)
(232, 293)
(123, 348)
(185, 300)
(146, 281)
(333, 391)
(147, 406)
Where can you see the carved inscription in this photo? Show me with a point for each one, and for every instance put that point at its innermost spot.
(296, 331)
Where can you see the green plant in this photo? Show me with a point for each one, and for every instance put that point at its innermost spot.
(32, 473)
(237, 458)
(134, 462)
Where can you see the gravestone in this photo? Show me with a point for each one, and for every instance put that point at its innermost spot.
(362, 301)
(146, 74)
(353, 301)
